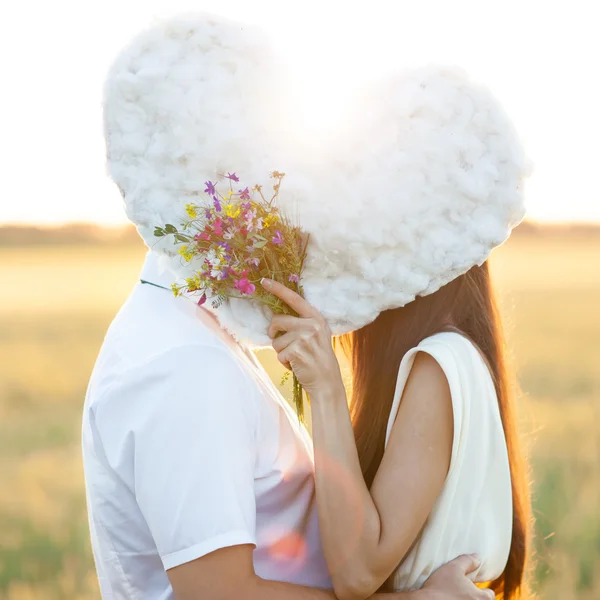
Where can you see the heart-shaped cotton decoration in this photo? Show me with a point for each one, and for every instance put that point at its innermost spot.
(419, 186)
(188, 99)
(422, 184)
(416, 188)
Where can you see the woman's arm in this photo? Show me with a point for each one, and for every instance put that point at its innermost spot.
(366, 534)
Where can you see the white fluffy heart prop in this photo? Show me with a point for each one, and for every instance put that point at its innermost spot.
(421, 184)
(186, 100)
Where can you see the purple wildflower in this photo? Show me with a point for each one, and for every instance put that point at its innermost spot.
(217, 203)
(207, 213)
(278, 238)
(245, 194)
(210, 188)
(246, 205)
(232, 177)
(224, 245)
(294, 278)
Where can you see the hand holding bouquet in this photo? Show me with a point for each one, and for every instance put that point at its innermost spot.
(237, 239)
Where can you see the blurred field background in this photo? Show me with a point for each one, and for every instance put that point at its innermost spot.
(61, 289)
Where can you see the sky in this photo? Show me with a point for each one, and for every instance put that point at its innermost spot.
(539, 58)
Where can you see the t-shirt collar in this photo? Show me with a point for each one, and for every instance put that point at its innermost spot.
(156, 270)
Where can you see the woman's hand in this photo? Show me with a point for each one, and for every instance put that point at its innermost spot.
(305, 345)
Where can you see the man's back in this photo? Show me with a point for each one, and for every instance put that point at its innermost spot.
(188, 448)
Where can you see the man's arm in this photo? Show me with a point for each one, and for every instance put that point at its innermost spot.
(228, 574)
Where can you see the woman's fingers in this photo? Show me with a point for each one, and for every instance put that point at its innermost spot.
(305, 346)
(283, 323)
(285, 364)
(290, 352)
(283, 341)
(291, 298)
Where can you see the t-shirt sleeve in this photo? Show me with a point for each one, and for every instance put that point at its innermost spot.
(191, 419)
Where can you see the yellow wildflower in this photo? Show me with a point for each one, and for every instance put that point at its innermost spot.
(270, 219)
(186, 253)
(175, 289)
(190, 209)
(192, 284)
(231, 210)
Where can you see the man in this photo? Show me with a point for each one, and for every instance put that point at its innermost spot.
(199, 477)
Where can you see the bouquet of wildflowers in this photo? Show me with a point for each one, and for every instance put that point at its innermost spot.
(240, 237)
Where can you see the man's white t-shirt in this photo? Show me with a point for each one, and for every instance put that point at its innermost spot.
(188, 448)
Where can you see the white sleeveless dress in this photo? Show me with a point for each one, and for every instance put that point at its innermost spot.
(474, 511)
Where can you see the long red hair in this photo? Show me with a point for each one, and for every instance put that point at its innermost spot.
(468, 304)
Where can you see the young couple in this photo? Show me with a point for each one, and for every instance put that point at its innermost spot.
(201, 483)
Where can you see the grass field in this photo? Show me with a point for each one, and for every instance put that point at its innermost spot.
(56, 303)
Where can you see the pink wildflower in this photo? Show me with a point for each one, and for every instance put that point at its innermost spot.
(294, 278)
(245, 287)
(218, 226)
(278, 238)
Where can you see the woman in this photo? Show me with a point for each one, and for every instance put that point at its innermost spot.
(426, 461)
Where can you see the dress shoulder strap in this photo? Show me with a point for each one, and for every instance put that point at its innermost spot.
(446, 348)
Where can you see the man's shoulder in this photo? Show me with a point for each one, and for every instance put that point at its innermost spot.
(194, 382)
(152, 330)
